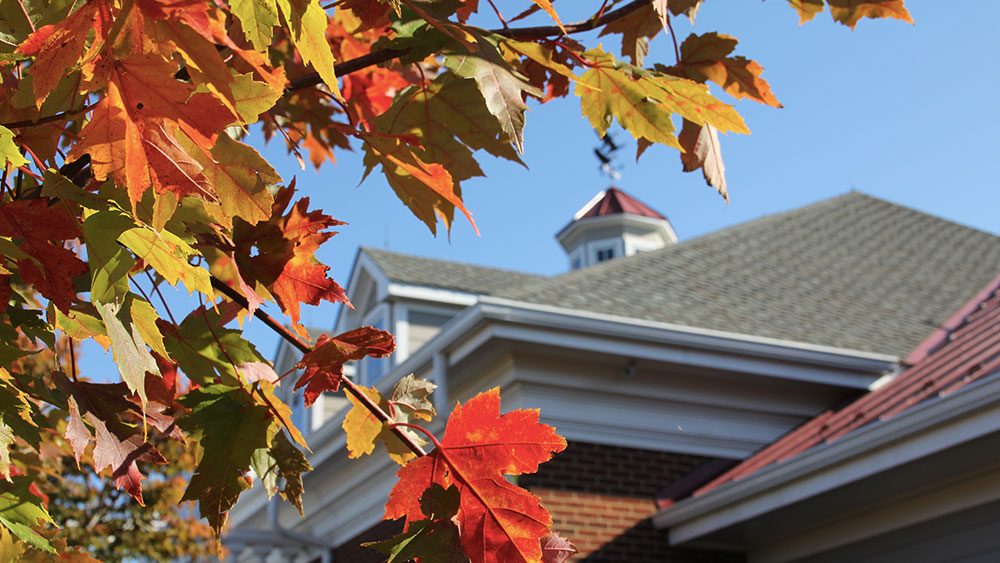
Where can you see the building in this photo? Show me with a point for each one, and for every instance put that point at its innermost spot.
(663, 363)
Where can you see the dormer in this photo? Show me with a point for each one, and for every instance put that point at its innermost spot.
(613, 224)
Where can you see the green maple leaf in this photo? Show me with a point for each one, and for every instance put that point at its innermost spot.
(500, 85)
(204, 349)
(168, 254)
(20, 511)
(281, 459)
(433, 540)
(253, 97)
(16, 420)
(229, 427)
(131, 355)
(239, 176)
(643, 101)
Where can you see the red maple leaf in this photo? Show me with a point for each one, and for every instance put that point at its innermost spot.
(121, 457)
(499, 521)
(284, 261)
(41, 229)
(324, 365)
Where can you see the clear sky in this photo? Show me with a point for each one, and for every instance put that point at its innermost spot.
(905, 113)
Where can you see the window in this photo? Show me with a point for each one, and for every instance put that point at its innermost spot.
(605, 254)
(577, 263)
(373, 368)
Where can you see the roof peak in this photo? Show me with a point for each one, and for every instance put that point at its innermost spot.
(614, 201)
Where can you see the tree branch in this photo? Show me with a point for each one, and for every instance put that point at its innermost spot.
(303, 347)
(56, 117)
(383, 55)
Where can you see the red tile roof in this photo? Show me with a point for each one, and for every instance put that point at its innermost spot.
(614, 201)
(965, 348)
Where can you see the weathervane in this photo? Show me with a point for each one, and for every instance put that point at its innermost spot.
(605, 153)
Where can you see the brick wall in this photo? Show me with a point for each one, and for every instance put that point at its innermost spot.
(352, 551)
(601, 498)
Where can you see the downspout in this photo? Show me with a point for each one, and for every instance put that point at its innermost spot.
(272, 519)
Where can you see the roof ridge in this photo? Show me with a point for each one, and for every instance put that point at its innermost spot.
(365, 248)
(678, 246)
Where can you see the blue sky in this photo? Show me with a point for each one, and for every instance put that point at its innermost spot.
(905, 113)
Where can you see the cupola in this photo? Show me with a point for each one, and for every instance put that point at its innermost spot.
(613, 224)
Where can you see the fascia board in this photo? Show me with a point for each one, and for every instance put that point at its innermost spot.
(363, 262)
(431, 294)
(686, 336)
(921, 431)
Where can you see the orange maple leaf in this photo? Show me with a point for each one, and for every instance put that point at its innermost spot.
(498, 521)
(131, 134)
(324, 365)
(57, 47)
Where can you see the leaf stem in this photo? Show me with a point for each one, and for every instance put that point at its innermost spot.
(420, 428)
(499, 15)
(156, 288)
(673, 37)
(215, 337)
(72, 359)
(24, 11)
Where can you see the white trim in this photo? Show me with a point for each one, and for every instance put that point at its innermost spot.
(923, 430)
(439, 376)
(615, 244)
(431, 294)
(401, 331)
(593, 201)
(586, 321)
(568, 235)
(362, 262)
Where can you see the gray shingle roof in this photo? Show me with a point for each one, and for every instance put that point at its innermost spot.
(405, 268)
(854, 272)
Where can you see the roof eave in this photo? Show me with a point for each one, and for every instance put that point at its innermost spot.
(923, 430)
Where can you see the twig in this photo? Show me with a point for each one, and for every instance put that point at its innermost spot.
(55, 117)
(301, 346)
(383, 55)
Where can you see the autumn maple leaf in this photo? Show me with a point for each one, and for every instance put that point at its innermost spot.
(284, 263)
(51, 267)
(324, 365)
(499, 521)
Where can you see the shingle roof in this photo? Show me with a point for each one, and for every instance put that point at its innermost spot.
(854, 271)
(481, 280)
(965, 349)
